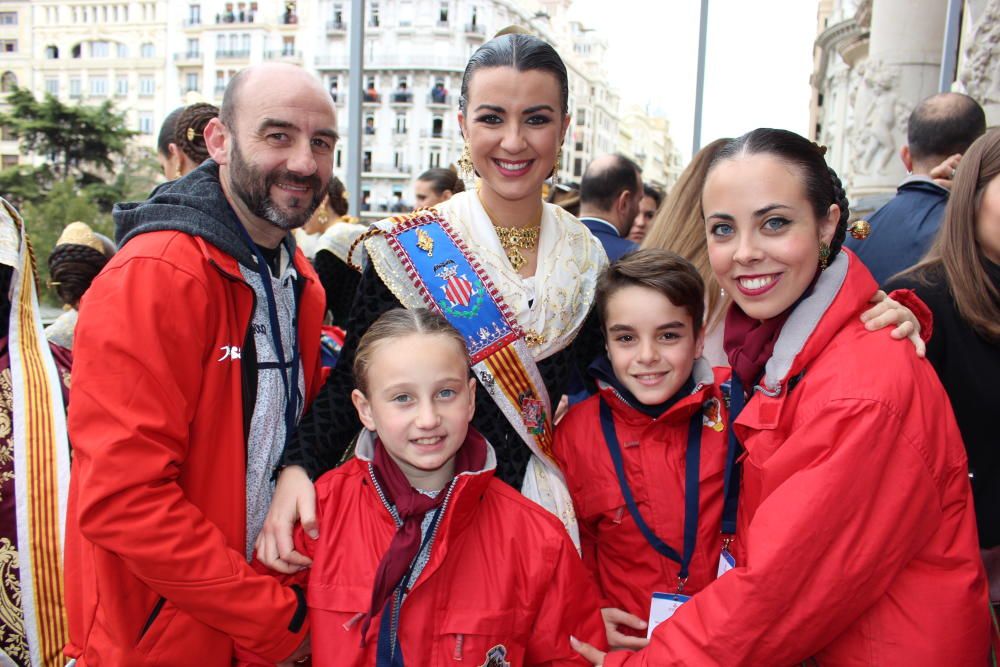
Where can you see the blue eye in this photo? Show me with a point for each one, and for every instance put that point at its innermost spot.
(776, 224)
(447, 393)
(722, 229)
(401, 398)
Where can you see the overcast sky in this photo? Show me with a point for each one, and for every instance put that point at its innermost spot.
(757, 69)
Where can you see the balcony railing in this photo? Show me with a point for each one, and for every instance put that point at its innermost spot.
(426, 60)
(401, 97)
(442, 98)
(234, 17)
(474, 29)
(283, 54)
(188, 56)
(336, 26)
(192, 22)
(232, 53)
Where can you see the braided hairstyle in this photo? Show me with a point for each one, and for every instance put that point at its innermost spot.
(822, 185)
(72, 268)
(189, 131)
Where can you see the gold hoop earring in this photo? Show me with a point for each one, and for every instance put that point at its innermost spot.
(466, 170)
(824, 256)
(556, 167)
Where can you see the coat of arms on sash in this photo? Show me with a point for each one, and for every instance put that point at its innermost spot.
(458, 289)
(532, 412)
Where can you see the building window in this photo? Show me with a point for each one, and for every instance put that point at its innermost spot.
(336, 159)
(145, 122)
(435, 160)
(74, 87)
(51, 52)
(288, 46)
(99, 49)
(401, 123)
(443, 14)
(191, 82)
(367, 160)
(397, 160)
(8, 18)
(98, 86)
(437, 127)
(121, 86)
(147, 50)
(8, 46)
(193, 47)
(52, 87)
(147, 86)
(370, 125)
(7, 82)
(122, 50)
(373, 19)
(194, 14)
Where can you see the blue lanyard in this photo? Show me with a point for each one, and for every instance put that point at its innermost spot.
(731, 479)
(692, 461)
(291, 385)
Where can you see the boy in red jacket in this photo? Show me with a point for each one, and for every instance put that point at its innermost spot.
(422, 556)
(646, 459)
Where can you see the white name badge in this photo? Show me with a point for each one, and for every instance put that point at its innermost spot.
(726, 562)
(663, 607)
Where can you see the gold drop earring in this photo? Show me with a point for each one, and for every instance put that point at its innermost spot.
(466, 170)
(556, 167)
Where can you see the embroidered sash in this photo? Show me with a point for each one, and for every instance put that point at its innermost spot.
(453, 283)
(41, 454)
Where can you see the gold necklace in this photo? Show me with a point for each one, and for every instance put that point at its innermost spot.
(515, 239)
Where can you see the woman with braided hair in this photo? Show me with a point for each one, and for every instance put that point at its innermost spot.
(856, 528)
(78, 257)
(181, 144)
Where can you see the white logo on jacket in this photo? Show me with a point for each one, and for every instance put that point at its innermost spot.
(229, 352)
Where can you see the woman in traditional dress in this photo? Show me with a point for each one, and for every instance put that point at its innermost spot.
(523, 293)
(78, 257)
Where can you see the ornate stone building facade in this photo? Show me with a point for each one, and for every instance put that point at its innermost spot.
(874, 61)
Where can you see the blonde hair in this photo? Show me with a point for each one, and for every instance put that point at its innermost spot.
(399, 323)
(679, 225)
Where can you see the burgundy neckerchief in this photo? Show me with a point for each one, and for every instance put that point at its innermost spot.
(749, 343)
(411, 506)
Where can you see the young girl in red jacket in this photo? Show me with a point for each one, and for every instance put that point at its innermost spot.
(645, 458)
(423, 557)
(855, 513)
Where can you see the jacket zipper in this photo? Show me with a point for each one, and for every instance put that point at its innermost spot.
(397, 596)
(152, 617)
(246, 364)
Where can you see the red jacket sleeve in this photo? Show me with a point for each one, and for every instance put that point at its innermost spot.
(141, 349)
(822, 547)
(569, 607)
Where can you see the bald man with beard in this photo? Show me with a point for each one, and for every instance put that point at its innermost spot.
(196, 354)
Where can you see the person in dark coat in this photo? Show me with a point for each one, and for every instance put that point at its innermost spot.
(940, 129)
(610, 192)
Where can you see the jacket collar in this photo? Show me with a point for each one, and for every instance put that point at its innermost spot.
(839, 296)
(598, 225)
(623, 407)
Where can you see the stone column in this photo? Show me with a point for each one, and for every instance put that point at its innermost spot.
(902, 68)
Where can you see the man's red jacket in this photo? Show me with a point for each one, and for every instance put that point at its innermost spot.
(155, 536)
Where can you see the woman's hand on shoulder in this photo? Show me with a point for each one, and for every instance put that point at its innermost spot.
(886, 312)
(294, 501)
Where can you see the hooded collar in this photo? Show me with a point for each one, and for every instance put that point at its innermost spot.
(840, 295)
(195, 205)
